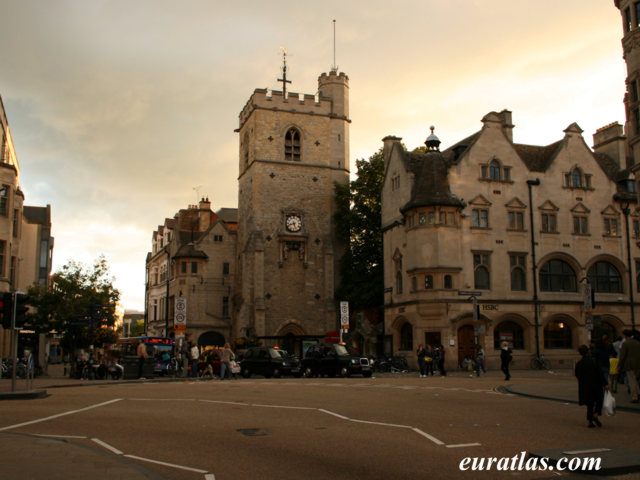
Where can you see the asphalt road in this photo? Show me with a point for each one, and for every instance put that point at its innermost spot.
(353, 428)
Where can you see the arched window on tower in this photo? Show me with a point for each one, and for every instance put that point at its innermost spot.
(292, 147)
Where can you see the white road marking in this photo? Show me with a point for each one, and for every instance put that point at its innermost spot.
(226, 403)
(282, 406)
(107, 446)
(426, 435)
(18, 425)
(209, 476)
(462, 445)
(166, 464)
(333, 413)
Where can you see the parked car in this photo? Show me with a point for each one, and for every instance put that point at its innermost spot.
(334, 360)
(268, 361)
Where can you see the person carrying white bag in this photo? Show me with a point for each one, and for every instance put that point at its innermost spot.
(591, 386)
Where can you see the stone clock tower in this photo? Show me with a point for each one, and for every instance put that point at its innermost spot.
(293, 147)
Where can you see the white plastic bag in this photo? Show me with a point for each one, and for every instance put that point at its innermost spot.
(235, 368)
(609, 404)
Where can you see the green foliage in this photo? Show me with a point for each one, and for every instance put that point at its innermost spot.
(137, 328)
(358, 225)
(79, 305)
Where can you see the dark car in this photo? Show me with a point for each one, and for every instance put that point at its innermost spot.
(270, 362)
(334, 360)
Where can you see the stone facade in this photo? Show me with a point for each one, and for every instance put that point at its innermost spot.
(26, 244)
(193, 258)
(460, 221)
(292, 150)
(271, 269)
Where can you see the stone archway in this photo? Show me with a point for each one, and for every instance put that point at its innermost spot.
(214, 339)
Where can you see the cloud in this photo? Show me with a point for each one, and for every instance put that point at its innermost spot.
(120, 109)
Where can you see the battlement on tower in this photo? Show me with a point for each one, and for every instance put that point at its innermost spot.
(322, 103)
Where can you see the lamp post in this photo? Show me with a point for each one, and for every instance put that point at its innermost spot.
(624, 205)
(531, 183)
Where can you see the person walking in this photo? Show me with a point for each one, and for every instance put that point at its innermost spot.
(226, 355)
(194, 355)
(629, 362)
(480, 360)
(421, 353)
(441, 362)
(591, 386)
(141, 352)
(505, 360)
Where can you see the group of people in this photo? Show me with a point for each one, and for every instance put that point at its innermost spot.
(605, 365)
(206, 358)
(430, 360)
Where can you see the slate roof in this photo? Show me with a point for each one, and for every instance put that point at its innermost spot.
(538, 158)
(431, 185)
(189, 251)
(38, 215)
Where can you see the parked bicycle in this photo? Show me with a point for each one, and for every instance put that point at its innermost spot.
(540, 363)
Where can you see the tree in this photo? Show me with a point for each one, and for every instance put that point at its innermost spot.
(358, 226)
(79, 305)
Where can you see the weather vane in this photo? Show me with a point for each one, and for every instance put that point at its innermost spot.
(284, 72)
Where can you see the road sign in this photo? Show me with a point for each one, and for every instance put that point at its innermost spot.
(464, 293)
(588, 304)
(344, 314)
(180, 313)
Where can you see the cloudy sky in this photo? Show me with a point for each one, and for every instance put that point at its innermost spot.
(123, 111)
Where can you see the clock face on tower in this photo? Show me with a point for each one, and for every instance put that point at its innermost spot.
(293, 223)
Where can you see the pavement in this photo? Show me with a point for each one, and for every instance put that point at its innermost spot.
(89, 461)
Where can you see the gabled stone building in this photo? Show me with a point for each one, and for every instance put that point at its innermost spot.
(515, 226)
(193, 258)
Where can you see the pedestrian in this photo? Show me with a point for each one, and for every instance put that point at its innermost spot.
(421, 353)
(428, 361)
(141, 352)
(505, 360)
(629, 361)
(591, 386)
(614, 372)
(194, 355)
(480, 360)
(599, 353)
(226, 355)
(441, 362)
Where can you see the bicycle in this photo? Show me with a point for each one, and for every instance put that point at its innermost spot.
(540, 363)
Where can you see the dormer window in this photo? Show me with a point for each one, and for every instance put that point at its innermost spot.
(494, 171)
(576, 178)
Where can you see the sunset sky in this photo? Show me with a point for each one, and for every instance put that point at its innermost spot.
(123, 111)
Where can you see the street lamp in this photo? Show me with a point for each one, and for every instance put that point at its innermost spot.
(624, 206)
(531, 183)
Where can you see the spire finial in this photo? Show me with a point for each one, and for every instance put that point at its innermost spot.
(284, 72)
(432, 142)
(334, 67)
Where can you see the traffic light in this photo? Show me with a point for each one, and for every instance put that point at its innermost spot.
(21, 309)
(7, 309)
